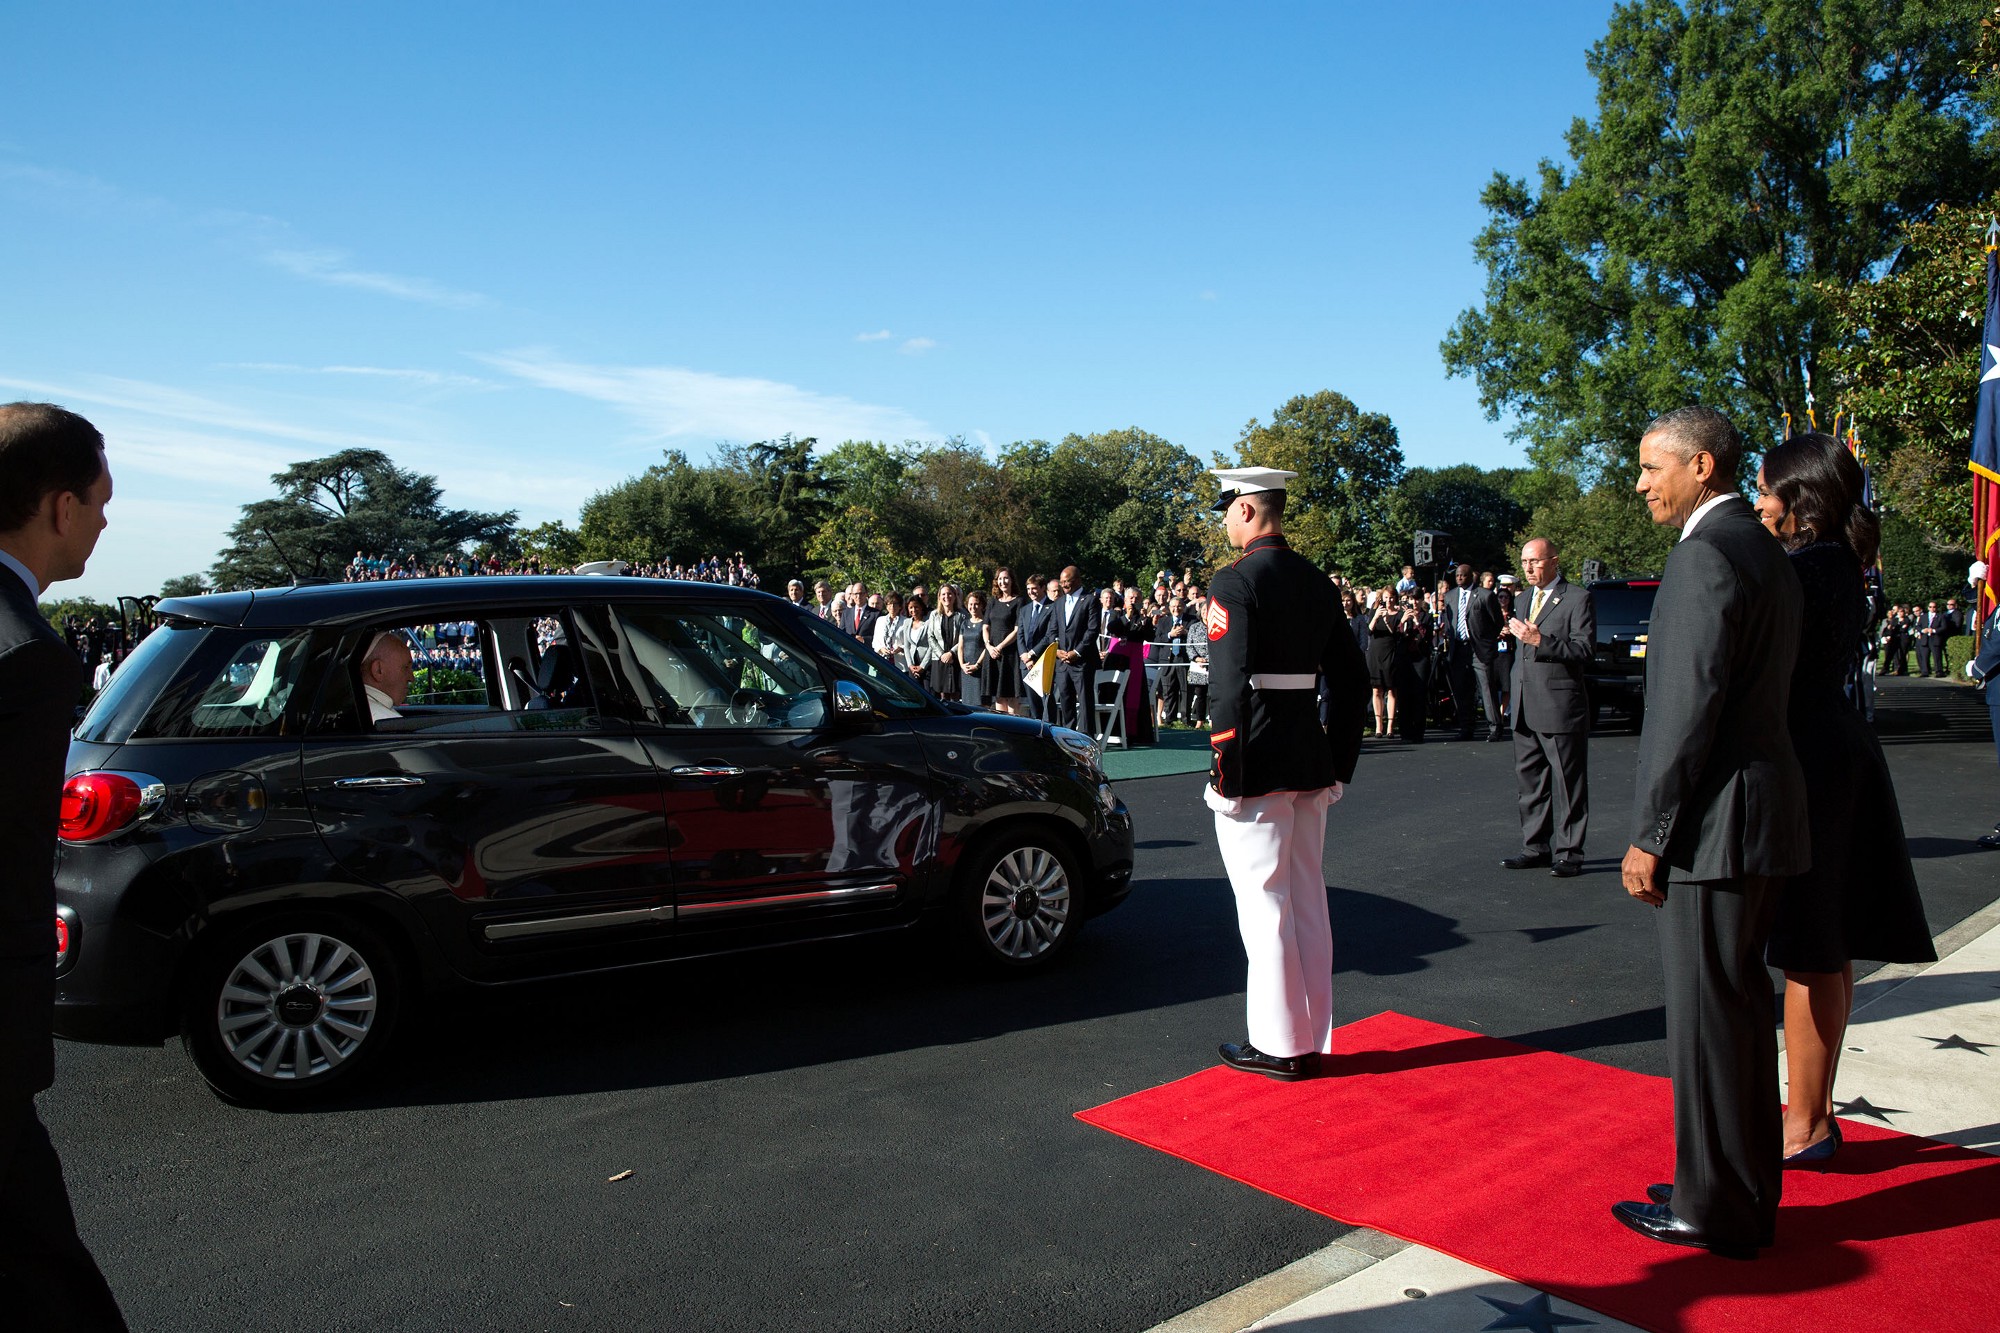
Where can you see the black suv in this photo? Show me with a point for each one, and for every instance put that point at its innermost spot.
(588, 773)
(1616, 675)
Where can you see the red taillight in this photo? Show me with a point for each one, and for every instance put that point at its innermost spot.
(96, 805)
(62, 940)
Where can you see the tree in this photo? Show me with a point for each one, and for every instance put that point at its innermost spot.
(1338, 511)
(1907, 367)
(550, 545)
(183, 585)
(1478, 508)
(1914, 571)
(1121, 502)
(1608, 522)
(329, 508)
(1746, 158)
(673, 510)
(791, 497)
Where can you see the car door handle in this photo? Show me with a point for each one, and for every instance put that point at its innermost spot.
(401, 781)
(706, 771)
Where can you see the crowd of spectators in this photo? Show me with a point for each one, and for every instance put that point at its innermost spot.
(733, 570)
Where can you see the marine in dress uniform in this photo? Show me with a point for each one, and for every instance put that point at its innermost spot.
(1276, 635)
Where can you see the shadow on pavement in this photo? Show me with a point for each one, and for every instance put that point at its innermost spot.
(813, 1004)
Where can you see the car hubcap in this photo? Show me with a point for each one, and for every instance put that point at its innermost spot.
(1025, 907)
(297, 1007)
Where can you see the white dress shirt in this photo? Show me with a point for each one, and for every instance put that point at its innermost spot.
(1701, 509)
(21, 570)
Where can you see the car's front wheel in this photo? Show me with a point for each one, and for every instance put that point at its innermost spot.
(291, 1010)
(1019, 899)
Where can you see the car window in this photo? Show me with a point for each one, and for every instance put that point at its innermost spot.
(240, 684)
(710, 666)
(154, 668)
(891, 687)
(502, 673)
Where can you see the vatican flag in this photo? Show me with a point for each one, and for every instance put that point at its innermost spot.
(1041, 677)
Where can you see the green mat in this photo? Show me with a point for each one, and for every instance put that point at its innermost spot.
(1178, 751)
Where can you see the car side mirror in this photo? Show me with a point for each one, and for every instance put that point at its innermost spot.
(850, 700)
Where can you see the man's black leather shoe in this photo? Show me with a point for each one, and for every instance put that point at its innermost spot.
(1526, 861)
(1656, 1221)
(1288, 1067)
(1664, 1194)
(1567, 869)
(1501, 735)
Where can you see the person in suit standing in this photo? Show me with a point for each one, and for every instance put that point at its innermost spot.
(1037, 627)
(1720, 819)
(1552, 714)
(1274, 632)
(1075, 636)
(1933, 628)
(1472, 619)
(54, 484)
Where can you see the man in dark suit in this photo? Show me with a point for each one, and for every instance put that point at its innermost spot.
(1557, 635)
(1721, 813)
(1076, 628)
(54, 484)
(1037, 624)
(1472, 620)
(1932, 630)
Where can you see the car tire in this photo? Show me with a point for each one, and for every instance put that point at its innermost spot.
(292, 1010)
(1019, 900)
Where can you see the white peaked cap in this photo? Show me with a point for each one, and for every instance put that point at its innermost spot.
(1240, 481)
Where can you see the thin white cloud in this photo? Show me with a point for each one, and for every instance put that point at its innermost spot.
(917, 346)
(272, 240)
(671, 402)
(432, 379)
(1206, 294)
(160, 400)
(331, 268)
(879, 336)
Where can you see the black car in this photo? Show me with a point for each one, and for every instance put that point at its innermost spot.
(1616, 675)
(589, 773)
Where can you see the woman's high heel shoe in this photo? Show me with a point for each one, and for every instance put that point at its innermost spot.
(1816, 1153)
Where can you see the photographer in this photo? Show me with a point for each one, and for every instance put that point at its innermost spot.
(1411, 671)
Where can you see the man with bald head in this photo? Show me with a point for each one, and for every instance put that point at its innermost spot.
(1556, 628)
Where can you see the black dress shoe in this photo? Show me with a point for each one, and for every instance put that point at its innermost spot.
(1656, 1221)
(1526, 861)
(1567, 868)
(1664, 1194)
(1493, 736)
(1288, 1067)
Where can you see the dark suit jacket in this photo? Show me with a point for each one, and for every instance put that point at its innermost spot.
(1482, 621)
(41, 681)
(1548, 681)
(1719, 792)
(1078, 631)
(1037, 625)
(864, 623)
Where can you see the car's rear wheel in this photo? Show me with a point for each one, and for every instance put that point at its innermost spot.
(1018, 899)
(292, 1010)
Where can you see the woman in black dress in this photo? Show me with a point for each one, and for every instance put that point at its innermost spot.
(1382, 660)
(1860, 898)
(1003, 671)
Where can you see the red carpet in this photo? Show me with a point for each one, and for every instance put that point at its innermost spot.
(1510, 1158)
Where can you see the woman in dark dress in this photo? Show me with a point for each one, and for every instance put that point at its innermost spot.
(1003, 676)
(1381, 654)
(1860, 898)
(1409, 671)
(973, 657)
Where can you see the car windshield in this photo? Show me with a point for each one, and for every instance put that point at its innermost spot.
(1622, 608)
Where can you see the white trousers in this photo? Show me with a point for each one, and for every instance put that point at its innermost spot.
(1274, 848)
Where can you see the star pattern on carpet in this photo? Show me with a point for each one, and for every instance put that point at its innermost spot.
(1533, 1314)
(1957, 1043)
(1862, 1106)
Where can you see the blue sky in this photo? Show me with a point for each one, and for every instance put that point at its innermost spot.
(526, 248)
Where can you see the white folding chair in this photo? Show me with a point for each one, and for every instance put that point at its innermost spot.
(1110, 717)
